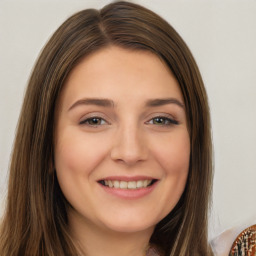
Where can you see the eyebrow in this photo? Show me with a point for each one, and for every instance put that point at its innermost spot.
(165, 101)
(94, 101)
(110, 103)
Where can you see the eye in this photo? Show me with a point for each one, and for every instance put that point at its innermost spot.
(93, 121)
(162, 120)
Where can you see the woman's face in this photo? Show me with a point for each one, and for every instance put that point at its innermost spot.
(122, 145)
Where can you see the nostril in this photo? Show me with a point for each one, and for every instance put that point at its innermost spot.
(128, 149)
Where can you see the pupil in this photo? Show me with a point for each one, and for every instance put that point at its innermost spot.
(95, 120)
(159, 120)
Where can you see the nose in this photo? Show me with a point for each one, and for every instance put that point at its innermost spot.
(129, 146)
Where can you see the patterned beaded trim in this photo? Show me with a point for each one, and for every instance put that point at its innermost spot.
(245, 243)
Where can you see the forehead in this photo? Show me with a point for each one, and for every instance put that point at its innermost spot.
(114, 72)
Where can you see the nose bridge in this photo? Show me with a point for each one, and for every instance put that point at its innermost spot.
(129, 145)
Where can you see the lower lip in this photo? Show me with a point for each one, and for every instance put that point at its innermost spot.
(129, 193)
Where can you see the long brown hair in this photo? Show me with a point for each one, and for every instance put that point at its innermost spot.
(35, 221)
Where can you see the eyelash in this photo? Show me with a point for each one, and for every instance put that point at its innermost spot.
(168, 121)
(86, 121)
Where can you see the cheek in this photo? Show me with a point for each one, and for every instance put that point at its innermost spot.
(76, 157)
(174, 154)
(173, 157)
(78, 154)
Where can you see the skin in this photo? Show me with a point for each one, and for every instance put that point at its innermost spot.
(125, 139)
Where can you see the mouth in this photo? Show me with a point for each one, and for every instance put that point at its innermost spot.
(130, 185)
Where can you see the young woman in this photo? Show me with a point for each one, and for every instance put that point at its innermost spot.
(113, 149)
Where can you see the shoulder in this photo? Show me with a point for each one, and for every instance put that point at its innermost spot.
(236, 241)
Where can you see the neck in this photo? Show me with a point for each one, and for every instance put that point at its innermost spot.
(93, 240)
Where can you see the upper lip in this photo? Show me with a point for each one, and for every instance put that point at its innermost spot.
(128, 178)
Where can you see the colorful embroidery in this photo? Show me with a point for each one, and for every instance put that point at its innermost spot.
(245, 243)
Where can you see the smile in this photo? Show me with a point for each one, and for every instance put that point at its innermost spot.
(127, 184)
(128, 187)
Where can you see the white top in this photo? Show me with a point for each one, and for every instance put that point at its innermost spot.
(222, 243)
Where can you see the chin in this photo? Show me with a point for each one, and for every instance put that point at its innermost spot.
(130, 226)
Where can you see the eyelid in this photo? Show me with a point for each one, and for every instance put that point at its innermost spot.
(91, 116)
(170, 118)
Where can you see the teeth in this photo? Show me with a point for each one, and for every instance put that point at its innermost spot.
(132, 184)
(116, 184)
(123, 184)
(110, 184)
(127, 184)
(139, 184)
